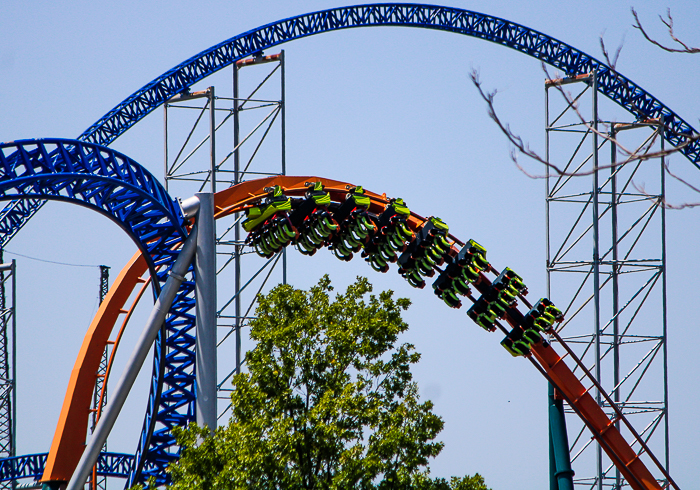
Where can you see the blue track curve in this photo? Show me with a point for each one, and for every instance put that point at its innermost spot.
(560, 55)
(113, 184)
(533, 43)
(500, 31)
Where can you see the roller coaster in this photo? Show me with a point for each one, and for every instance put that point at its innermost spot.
(309, 213)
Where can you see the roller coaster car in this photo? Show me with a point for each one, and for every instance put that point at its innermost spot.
(312, 220)
(427, 250)
(393, 228)
(355, 199)
(544, 305)
(509, 281)
(394, 212)
(472, 254)
(462, 274)
(268, 224)
(444, 289)
(497, 302)
(305, 208)
(519, 341)
(413, 278)
(270, 238)
(543, 315)
(482, 315)
(516, 348)
(275, 202)
(356, 225)
(432, 237)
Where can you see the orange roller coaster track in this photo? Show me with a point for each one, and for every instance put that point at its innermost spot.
(68, 442)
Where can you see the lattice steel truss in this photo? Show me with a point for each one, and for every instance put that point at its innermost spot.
(606, 263)
(8, 395)
(99, 482)
(248, 122)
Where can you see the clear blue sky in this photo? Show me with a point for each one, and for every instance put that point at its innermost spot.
(391, 109)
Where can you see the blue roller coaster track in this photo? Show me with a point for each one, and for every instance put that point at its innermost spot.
(171, 401)
(32, 466)
(112, 184)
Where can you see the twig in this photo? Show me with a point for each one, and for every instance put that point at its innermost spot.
(663, 202)
(669, 25)
(515, 140)
(612, 63)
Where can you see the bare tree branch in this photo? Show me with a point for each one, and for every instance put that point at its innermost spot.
(642, 153)
(663, 202)
(524, 148)
(668, 22)
(612, 62)
(515, 140)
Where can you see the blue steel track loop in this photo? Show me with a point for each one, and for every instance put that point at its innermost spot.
(558, 54)
(116, 186)
(175, 405)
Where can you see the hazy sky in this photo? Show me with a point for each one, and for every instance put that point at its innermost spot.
(391, 109)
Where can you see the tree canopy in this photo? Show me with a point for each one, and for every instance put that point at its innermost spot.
(328, 402)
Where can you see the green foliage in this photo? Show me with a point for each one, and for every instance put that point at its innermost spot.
(328, 402)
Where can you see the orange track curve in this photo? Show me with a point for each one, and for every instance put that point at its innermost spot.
(71, 431)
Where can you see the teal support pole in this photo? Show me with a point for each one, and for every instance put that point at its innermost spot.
(553, 484)
(561, 475)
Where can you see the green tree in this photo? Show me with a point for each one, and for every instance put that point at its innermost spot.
(328, 402)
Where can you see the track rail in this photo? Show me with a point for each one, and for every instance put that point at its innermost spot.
(558, 54)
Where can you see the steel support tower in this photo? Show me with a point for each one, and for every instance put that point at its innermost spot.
(606, 263)
(100, 482)
(8, 392)
(244, 125)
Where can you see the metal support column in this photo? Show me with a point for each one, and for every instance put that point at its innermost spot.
(662, 203)
(100, 483)
(205, 294)
(212, 139)
(284, 155)
(561, 474)
(237, 230)
(8, 364)
(596, 263)
(615, 272)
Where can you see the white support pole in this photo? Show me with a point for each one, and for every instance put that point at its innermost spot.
(133, 365)
(205, 294)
